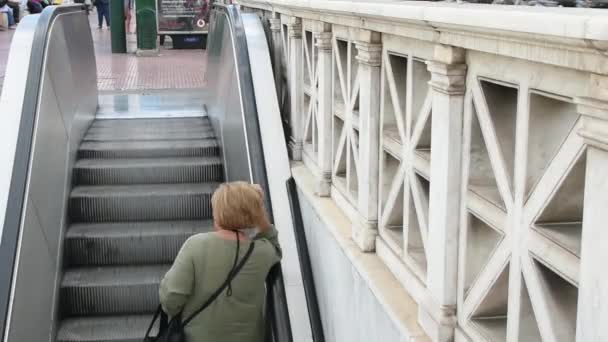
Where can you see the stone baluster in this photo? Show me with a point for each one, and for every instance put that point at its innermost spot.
(593, 282)
(296, 84)
(275, 31)
(324, 112)
(438, 312)
(369, 57)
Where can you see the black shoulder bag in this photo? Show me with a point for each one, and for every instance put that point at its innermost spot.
(173, 331)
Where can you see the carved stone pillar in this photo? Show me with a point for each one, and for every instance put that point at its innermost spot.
(296, 87)
(275, 31)
(593, 279)
(369, 57)
(324, 112)
(438, 313)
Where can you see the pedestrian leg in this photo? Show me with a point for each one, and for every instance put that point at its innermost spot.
(106, 13)
(99, 15)
(15, 7)
(11, 18)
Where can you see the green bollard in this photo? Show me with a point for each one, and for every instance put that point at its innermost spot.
(146, 27)
(117, 26)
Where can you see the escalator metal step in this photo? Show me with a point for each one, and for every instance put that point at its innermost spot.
(148, 170)
(111, 290)
(139, 123)
(129, 243)
(149, 148)
(160, 134)
(128, 131)
(141, 188)
(155, 202)
(130, 328)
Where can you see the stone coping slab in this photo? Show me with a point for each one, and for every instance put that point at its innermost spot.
(575, 23)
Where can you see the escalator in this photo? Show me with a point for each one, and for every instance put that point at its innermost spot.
(94, 210)
(141, 188)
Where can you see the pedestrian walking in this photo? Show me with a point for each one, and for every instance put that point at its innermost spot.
(103, 11)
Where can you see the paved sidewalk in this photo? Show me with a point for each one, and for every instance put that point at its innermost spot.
(173, 69)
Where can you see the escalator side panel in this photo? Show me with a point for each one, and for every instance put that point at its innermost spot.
(229, 105)
(233, 110)
(53, 108)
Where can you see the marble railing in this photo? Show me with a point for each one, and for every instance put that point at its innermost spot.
(468, 144)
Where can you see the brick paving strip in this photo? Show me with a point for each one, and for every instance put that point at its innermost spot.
(173, 69)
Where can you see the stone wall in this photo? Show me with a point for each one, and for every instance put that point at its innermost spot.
(349, 309)
(465, 144)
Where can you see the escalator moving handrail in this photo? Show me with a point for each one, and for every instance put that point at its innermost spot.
(314, 313)
(277, 299)
(276, 306)
(20, 174)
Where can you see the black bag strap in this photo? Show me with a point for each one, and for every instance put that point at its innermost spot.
(163, 321)
(221, 289)
(163, 316)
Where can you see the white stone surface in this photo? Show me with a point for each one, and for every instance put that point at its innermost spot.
(368, 141)
(593, 294)
(594, 285)
(296, 83)
(481, 187)
(359, 298)
(576, 38)
(448, 87)
(572, 23)
(348, 308)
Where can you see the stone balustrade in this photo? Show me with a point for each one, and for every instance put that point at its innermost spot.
(468, 145)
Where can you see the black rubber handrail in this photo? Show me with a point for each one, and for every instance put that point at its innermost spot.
(314, 313)
(15, 203)
(277, 310)
(276, 307)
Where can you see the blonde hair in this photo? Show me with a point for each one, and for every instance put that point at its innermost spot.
(236, 205)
